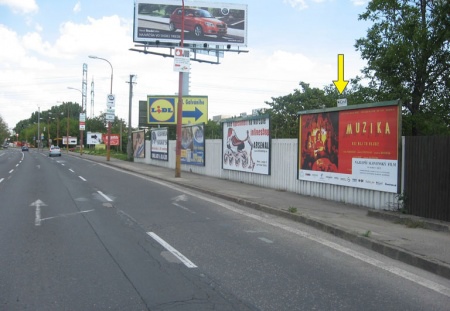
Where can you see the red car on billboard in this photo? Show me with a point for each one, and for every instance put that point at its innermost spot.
(198, 21)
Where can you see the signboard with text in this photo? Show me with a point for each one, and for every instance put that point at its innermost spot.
(246, 145)
(193, 144)
(159, 144)
(163, 109)
(356, 146)
(204, 22)
(114, 140)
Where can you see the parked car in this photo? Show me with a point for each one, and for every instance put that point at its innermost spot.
(198, 21)
(54, 151)
(24, 148)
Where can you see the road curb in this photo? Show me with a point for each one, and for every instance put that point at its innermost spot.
(394, 252)
(425, 223)
(405, 256)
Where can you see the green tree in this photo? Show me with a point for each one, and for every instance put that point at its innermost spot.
(213, 130)
(284, 109)
(408, 54)
(4, 133)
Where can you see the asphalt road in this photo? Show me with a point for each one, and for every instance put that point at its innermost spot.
(77, 235)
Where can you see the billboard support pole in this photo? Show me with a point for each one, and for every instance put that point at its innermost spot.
(180, 105)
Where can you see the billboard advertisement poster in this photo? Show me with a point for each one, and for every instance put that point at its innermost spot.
(159, 144)
(114, 140)
(138, 144)
(246, 145)
(356, 147)
(204, 22)
(94, 138)
(162, 109)
(193, 144)
(72, 140)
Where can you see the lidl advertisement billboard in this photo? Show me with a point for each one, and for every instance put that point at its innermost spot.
(163, 109)
(204, 22)
(357, 146)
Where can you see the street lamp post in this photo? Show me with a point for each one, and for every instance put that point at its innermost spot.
(39, 126)
(48, 129)
(110, 92)
(82, 111)
(67, 129)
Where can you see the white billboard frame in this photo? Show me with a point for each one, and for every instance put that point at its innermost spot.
(150, 27)
(246, 145)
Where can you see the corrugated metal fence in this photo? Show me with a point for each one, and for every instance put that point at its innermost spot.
(283, 175)
(427, 176)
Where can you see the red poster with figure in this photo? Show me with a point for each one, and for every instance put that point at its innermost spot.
(354, 147)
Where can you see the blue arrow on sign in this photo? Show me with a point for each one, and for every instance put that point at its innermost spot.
(193, 114)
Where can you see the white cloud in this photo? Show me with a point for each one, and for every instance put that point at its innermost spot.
(77, 7)
(359, 2)
(22, 6)
(297, 4)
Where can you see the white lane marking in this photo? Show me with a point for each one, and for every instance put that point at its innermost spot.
(105, 196)
(265, 240)
(1, 179)
(62, 164)
(38, 203)
(381, 265)
(176, 253)
(11, 171)
(69, 214)
(82, 178)
(17, 164)
(71, 170)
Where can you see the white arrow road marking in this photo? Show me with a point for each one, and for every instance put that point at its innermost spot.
(38, 203)
(176, 253)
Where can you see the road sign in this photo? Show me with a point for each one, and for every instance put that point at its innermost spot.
(110, 107)
(342, 102)
(182, 60)
(162, 109)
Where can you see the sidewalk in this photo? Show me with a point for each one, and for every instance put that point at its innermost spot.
(417, 241)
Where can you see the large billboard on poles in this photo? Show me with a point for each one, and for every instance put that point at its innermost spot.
(356, 146)
(204, 22)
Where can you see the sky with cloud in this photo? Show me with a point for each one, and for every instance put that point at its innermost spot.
(46, 42)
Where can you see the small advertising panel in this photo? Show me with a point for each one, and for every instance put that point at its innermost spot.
(94, 138)
(72, 140)
(114, 141)
(357, 146)
(159, 144)
(246, 145)
(193, 144)
(139, 144)
(204, 22)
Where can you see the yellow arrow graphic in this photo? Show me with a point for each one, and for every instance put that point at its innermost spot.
(340, 83)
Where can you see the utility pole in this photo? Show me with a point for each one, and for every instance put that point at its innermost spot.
(130, 142)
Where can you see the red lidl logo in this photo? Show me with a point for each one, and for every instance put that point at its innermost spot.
(161, 110)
